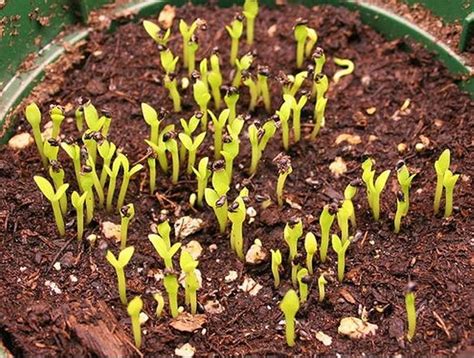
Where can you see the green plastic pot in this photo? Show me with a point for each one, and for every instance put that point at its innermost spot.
(36, 29)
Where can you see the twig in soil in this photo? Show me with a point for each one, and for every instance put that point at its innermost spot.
(440, 323)
(59, 254)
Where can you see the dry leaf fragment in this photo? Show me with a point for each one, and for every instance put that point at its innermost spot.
(186, 350)
(213, 307)
(185, 226)
(349, 138)
(111, 230)
(250, 286)
(347, 296)
(256, 254)
(231, 277)
(194, 248)
(356, 328)
(186, 322)
(324, 338)
(338, 167)
(20, 141)
(166, 17)
(405, 105)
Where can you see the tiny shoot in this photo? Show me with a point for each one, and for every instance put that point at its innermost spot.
(171, 286)
(374, 189)
(411, 310)
(291, 234)
(262, 84)
(219, 124)
(202, 176)
(77, 201)
(214, 78)
(163, 249)
(119, 264)
(284, 115)
(252, 86)
(322, 287)
(259, 137)
(310, 246)
(156, 33)
(283, 163)
(340, 247)
(236, 215)
(250, 12)
(231, 98)
(289, 305)
(441, 166)
(192, 147)
(133, 309)
(172, 146)
(241, 65)
(128, 173)
(326, 220)
(303, 278)
(235, 32)
(276, 262)
(33, 116)
(449, 181)
(127, 212)
(300, 31)
(349, 68)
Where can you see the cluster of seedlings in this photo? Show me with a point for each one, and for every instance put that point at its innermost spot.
(99, 165)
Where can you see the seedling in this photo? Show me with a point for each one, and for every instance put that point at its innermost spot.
(262, 85)
(310, 246)
(134, 308)
(344, 72)
(449, 182)
(151, 118)
(192, 146)
(156, 33)
(187, 33)
(297, 107)
(57, 117)
(119, 264)
(128, 173)
(340, 247)
(321, 286)
(303, 279)
(54, 197)
(291, 234)
(96, 181)
(188, 266)
(236, 215)
(231, 145)
(343, 215)
(276, 262)
(127, 213)
(151, 161)
(373, 189)
(79, 114)
(216, 197)
(51, 149)
(311, 41)
(56, 173)
(160, 303)
(250, 12)
(283, 163)
(202, 98)
(411, 310)
(253, 89)
(192, 49)
(301, 33)
(87, 183)
(113, 173)
(402, 209)
(319, 117)
(259, 137)
(441, 166)
(215, 80)
(172, 146)
(160, 149)
(319, 60)
(77, 201)
(202, 176)
(74, 152)
(190, 127)
(106, 150)
(171, 286)
(231, 98)
(320, 86)
(240, 66)
(295, 267)
(325, 222)
(404, 180)
(219, 125)
(235, 31)
(289, 305)
(284, 115)
(106, 126)
(33, 116)
(95, 124)
(171, 85)
(163, 249)
(349, 194)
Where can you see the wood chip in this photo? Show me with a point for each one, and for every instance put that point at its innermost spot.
(349, 138)
(20, 141)
(186, 322)
(347, 296)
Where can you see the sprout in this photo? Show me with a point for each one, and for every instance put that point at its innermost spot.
(343, 215)
(51, 149)
(240, 66)
(290, 304)
(79, 114)
(203, 71)
(231, 98)
(236, 215)
(191, 283)
(128, 173)
(231, 145)
(449, 182)
(301, 33)
(404, 180)
(295, 267)
(156, 33)
(77, 202)
(56, 173)
(276, 262)
(310, 246)
(325, 222)
(57, 117)
(283, 163)
(172, 146)
(96, 181)
(172, 86)
(190, 127)
(253, 89)
(284, 114)
(202, 98)
(171, 286)
(94, 123)
(303, 277)
(411, 310)
(402, 209)
(113, 173)
(340, 247)
(235, 31)
(262, 85)
(219, 125)
(106, 126)
(297, 107)
(319, 117)
(216, 197)
(296, 82)
(187, 33)
(320, 86)
(74, 152)
(119, 263)
(87, 183)
(341, 73)
(106, 150)
(192, 147)
(321, 287)
(215, 80)
(319, 60)
(202, 176)
(259, 138)
(441, 166)
(250, 12)
(349, 193)
(160, 148)
(134, 308)
(374, 189)
(53, 196)
(151, 161)
(160, 303)
(291, 234)
(164, 230)
(164, 250)
(312, 39)
(192, 49)
(168, 61)
(127, 213)
(151, 118)
(33, 116)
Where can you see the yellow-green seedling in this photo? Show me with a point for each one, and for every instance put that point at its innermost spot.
(203, 72)
(235, 31)
(216, 197)
(151, 118)
(106, 150)
(168, 61)
(214, 78)
(96, 181)
(133, 309)
(192, 49)
(231, 145)
(87, 183)
(56, 173)
(259, 137)
(320, 86)
(325, 222)
(236, 215)
(311, 41)
(191, 283)
(172, 146)
(276, 263)
(119, 264)
(441, 166)
(374, 189)
(303, 280)
(127, 212)
(187, 32)
(202, 176)
(94, 125)
(340, 247)
(300, 31)
(164, 231)
(219, 124)
(310, 246)
(128, 173)
(262, 84)
(151, 162)
(74, 152)
(241, 65)
(289, 305)
(319, 119)
(33, 116)
(231, 98)
(171, 84)
(51, 149)
(79, 115)
(190, 127)
(322, 287)
(349, 194)
(160, 303)
(402, 209)
(54, 197)
(77, 202)
(202, 97)
(165, 251)
(292, 84)
(160, 148)
(57, 118)
(295, 267)
(411, 310)
(172, 286)
(113, 174)
(344, 212)
(156, 33)
(291, 234)
(107, 122)
(349, 68)
(449, 182)
(283, 163)
(297, 107)
(192, 147)
(252, 86)
(250, 12)
(284, 115)
(404, 180)
(319, 58)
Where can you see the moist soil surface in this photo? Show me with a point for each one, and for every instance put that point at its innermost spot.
(75, 311)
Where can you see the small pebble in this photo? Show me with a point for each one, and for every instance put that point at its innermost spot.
(57, 266)
(73, 278)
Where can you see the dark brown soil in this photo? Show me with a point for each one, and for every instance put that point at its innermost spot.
(121, 70)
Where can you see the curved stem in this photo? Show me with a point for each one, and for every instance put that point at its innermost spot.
(175, 162)
(448, 209)
(123, 191)
(122, 286)
(110, 193)
(58, 217)
(80, 222)
(341, 266)
(152, 166)
(89, 205)
(137, 332)
(438, 194)
(290, 331)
